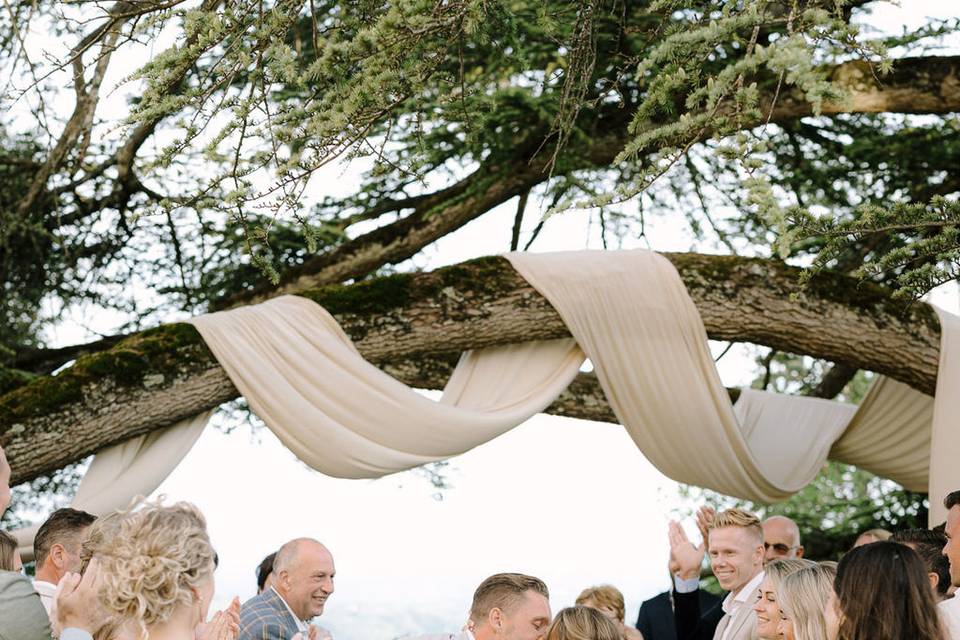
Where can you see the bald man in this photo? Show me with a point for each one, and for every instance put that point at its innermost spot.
(781, 539)
(303, 573)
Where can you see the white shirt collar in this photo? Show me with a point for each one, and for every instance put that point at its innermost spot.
(301, 625)
(733, 602)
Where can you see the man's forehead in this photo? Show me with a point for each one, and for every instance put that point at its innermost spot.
(777, 529)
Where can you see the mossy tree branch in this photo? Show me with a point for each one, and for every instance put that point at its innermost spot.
(163, 375)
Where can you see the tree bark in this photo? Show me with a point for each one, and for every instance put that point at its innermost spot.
(163, 375)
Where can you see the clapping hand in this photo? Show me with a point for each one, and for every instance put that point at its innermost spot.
(77, 600)
(685, 557)
(225, 625)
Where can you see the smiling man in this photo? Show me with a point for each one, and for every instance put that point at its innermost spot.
(736, 556)
(303, 575)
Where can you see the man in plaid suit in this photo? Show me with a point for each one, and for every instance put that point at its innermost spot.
(303, 573)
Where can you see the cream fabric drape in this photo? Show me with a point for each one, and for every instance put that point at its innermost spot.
(342, 415)
(133, 468)
(631, 314)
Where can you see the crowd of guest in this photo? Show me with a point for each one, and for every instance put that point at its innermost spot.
(148, 573)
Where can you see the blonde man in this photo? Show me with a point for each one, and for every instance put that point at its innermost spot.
(735, 543)
(608, 600)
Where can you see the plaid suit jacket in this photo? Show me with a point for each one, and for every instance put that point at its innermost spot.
(266, 617)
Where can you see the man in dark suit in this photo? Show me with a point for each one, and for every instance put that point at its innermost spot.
(656, 622)
(302, 581)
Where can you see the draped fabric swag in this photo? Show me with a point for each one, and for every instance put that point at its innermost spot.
(629, 312)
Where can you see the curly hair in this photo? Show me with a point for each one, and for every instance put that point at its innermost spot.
(606, 596)
(151, 560)
(582, 623)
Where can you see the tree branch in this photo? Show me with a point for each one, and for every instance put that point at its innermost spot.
(163, 375)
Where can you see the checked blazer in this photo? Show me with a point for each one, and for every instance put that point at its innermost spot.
(266, 617)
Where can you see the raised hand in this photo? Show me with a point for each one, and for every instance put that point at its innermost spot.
(77, 600)
(705, 516)
(683, 555)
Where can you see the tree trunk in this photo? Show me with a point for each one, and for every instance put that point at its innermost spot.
(163, 375)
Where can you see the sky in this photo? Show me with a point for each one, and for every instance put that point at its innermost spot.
(570, 501)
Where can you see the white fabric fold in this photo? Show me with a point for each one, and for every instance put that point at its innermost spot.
(345, 417)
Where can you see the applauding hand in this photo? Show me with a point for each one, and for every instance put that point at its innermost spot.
(685, 557)
(225, 625)
(77, 600)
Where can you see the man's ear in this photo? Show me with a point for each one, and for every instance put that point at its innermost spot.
(58, 555)
(495, 618)
(934, 581)
(800, 551)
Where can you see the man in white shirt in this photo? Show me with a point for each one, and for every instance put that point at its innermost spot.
(506, 606)
(303, 573)
(56, 549)
(950, 609)
(736, 549)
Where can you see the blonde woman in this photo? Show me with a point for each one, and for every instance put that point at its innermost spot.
(608, 600)
(767, 606)
(151, 571)
(803, 601)
(9, 553)
(582, 623)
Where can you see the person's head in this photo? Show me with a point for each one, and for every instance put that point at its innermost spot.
(871, 536)
(883, 594)
(56, 547)
(157, 566)
(929, 546)
(781, 539)
(9, 553)
(265, 572)
(803, 599)
(767, 606)
(303, 574)
(4, 482)
(952, 530)
(510, 606)
(606, 599)
(736, 548)
(582, 623)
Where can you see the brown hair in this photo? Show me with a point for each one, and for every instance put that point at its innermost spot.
(929, 546)
(502, 591)
(738, 518)
(62, 527)
(606, 596)
(884, 594)
(8, 550)
(582, 623)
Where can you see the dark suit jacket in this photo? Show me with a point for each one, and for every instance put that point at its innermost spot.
(656, 622)
(695, 621)
(266, 617)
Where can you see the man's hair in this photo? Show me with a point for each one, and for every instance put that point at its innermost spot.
(952, 500)
(738, 518)
(62, 527)
(929, 546)
(502, 591)
(264, 569)
(606, 596)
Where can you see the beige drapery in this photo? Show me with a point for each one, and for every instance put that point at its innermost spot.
(630, 312)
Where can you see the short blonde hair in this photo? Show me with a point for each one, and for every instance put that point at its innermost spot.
(803, 597)
(152, 558)
(738, 518)
(605, 596)
(582, 623)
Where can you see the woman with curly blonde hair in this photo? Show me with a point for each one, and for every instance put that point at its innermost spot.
(155, 570)
(608, 600)
(582, 623)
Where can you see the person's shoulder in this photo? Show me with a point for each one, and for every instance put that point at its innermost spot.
(261, 607)
(21, 614)
(658, 599)
(950, 608)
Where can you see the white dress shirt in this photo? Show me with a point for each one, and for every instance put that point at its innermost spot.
(950, 612)
(733, 602)
(46, 591)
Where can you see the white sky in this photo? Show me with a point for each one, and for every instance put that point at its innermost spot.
(572, 502)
